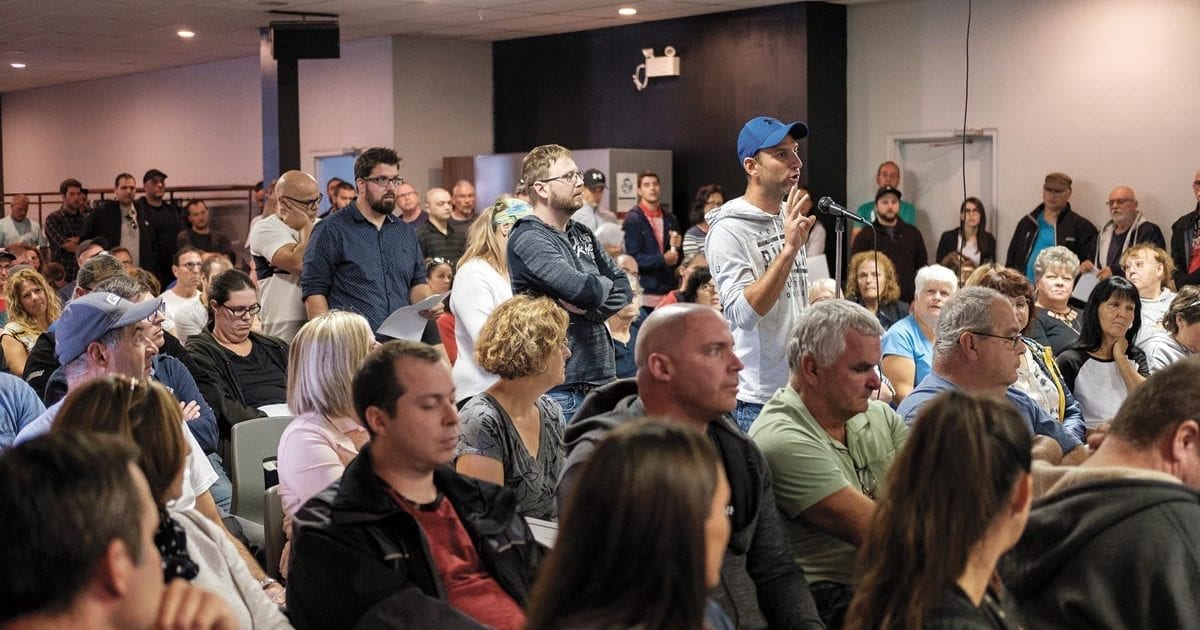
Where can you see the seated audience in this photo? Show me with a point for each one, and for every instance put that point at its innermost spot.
(326, 433)
(146, 278)
(957, 498)
(971, 238)
(700, 289)
(1149, 268)
(875, 287)
(687, 374)
(1104, 365)
(962, 266)
(708, 198)
(193, 547)
(512, 432)
(978, 350)
(1181, 334)
(1112, 543)
(56, 275)
(24, 254)
(19, 405)
(186, 314)
(1038, 374)
(1057, 322)
(822, 289)
(684, 271)
(908, 344)
(637, 567)
(125, 256)
(32, 307)
(830, 445)
(483, 284)
(248, 369)
(209, 269)
(623, 327)
(402, 540)
(100, 567)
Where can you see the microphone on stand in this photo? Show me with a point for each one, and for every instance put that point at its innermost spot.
(828, 206)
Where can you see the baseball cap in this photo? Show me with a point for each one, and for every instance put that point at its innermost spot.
(593, 178)
(153, 173)
(765, 132)
(887, 190)
(4, 253)
(85, 319)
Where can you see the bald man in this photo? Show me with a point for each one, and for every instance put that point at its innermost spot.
(17, 226)
(278, 243)
(1127, 228)
(687, 373)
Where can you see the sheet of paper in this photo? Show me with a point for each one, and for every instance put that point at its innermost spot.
(545, 532)
(818, 267)
(406, 321)
(1085, 284)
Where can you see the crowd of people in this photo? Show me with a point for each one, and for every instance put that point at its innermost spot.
(714, 439)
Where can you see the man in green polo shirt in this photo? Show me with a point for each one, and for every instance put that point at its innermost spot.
(829, 444)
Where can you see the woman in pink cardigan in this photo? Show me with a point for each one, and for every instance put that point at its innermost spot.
(326, 433)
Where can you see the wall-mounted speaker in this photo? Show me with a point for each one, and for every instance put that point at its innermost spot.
(305, 40)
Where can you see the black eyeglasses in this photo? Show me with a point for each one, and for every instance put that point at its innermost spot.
(1012, 341)
(242, 311)
(311, 204)
(384, 182)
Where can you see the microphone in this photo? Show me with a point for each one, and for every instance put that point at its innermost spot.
(830, 207)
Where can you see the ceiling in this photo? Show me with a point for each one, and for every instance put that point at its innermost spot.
(63, 41)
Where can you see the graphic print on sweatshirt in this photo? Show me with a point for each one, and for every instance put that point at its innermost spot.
(770, 245)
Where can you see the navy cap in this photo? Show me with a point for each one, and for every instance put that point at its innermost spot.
(765, 132)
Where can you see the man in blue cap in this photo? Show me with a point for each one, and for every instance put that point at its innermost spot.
(755, 248)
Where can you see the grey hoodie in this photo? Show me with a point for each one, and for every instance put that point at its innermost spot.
(742, 240)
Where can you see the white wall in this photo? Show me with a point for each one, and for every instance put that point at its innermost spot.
(202, 124)
(443, 95)
(1104, 90)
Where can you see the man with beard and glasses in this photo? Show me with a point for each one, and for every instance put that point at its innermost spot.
(364, 259)
(550, 254)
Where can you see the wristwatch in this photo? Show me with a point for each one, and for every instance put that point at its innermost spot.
(266, 582)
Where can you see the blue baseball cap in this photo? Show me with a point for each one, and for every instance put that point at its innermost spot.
(86, 319)
(765, 132)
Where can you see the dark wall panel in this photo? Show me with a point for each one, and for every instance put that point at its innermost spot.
(576, 89)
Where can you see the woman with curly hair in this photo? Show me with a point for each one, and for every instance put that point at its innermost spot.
(512, 432)
(32, 306)
(875, 287)
(957, 497)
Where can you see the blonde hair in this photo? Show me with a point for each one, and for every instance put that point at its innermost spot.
(324, 356)
(483, 241)
(535, 166)
(1159, 255)
(12, 291)
(519, 336)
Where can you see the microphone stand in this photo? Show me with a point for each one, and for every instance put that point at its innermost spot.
(839, 229)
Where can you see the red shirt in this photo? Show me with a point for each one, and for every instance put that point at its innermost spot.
(469, 587)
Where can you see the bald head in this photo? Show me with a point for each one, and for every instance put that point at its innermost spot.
(297, 185)
(1123, 204)
(665, 330)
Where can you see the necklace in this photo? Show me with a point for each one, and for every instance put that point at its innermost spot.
(1069, 318)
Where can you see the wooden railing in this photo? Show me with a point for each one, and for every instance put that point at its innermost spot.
(228, 198)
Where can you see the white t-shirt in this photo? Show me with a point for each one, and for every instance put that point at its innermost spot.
(478, 290)
(282, 305)
(185, 316)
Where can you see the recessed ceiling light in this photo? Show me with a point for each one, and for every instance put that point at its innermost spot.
(627, 11)
(186, 34)
(16, 64)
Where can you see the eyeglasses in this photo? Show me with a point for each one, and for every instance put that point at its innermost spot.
(569, 177)
(384, 182)
(867, 481)
(1118, 202)
(1012, 341)
(159, 315)
(311, 204)
(243, 311)
(192, 265)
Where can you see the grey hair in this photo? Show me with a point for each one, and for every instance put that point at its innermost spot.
(79, 366)
(935, 273)
(96, 269)
(969, 310)
(123, 286)
(821, 331)
(1057, 256)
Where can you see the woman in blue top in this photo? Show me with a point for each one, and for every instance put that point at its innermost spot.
(908, 344)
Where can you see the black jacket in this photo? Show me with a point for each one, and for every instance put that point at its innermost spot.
(1183, 230)
(105, 222)
(220, 381)
(1072, 231)
(166, 221)
(360, 560)
(758, 563)
(949, 243)
(1123, 553)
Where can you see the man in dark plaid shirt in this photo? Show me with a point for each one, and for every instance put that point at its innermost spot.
(63, 226)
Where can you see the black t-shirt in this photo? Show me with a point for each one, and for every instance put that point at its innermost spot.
(261, 381)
